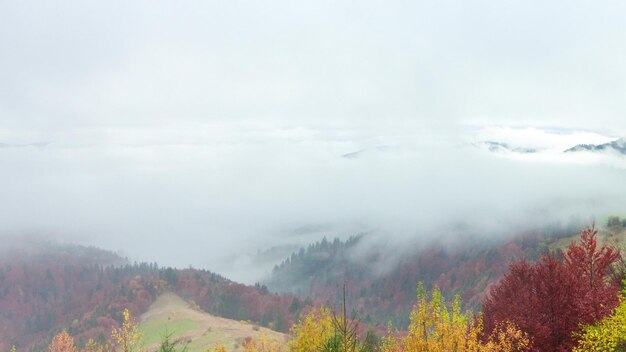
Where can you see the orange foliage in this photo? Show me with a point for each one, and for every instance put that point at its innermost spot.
(62, 342)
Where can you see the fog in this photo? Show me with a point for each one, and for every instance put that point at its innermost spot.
(200, 133)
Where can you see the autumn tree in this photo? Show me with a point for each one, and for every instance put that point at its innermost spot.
(93, 346)
(507, 337)
(591, 265)
(262, 344)
(324, 331)
(436, 325)
(128, 336)
(440, 326)
(549, 299)
(608, 335)
(312, 332)
(217, 348)
(62, 342)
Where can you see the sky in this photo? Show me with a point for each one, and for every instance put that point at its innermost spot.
(200, 132)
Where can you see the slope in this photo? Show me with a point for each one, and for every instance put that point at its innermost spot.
(45, 288)
(171, 314)
(378, 296)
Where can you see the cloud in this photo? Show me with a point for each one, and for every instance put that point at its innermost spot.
(190, 133)
(223, 193)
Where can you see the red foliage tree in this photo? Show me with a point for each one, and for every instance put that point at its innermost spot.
(552, 297)
(591, 266)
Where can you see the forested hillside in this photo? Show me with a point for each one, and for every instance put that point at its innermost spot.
(570, 299)
(85, 291)
(46, 289)
(467, 269)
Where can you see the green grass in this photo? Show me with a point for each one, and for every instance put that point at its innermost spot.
(155, 330)
(172, 314)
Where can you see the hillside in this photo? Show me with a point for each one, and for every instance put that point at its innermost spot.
(187, 322)
(47, 288)
(84, 290)
(378, 296)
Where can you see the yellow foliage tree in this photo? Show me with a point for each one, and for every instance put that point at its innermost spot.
(608, 335)
(93, 346)
(311, 333)
(263, 344)
(507, 337)
(62, 342)
(218, 348)
(436, 326)
(128, 336)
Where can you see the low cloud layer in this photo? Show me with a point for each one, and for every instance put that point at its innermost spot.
(206, 204)
(190, 134)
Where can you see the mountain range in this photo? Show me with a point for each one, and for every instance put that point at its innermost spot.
(618, 146)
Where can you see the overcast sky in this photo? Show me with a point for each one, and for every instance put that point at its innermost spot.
(193, 132)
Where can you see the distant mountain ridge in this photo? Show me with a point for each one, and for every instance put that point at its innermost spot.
(618, 145)
(494, 146)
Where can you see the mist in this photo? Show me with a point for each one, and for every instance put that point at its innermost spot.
(199, 134)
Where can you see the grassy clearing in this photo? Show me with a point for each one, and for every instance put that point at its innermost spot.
(615, 237)
(172, 314)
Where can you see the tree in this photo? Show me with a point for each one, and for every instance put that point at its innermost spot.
(507, 337)
(218, 348)
(549, 299)
(262, 344)
(437, 326)
(172, 346)
(608, 335)
(93, 346)
(62, 342)
(592, 267)
(540, 299)
(334, 333)
(128, 336)
(345, 336)
(371, 342)
(311, 333)
(614, 221)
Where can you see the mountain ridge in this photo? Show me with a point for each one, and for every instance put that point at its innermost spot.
(618, 145)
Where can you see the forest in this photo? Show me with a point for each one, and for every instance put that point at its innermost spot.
(45, 291)
(570, 299)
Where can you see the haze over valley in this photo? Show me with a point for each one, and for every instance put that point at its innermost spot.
(246, 161)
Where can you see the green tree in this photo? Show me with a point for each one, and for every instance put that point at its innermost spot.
(168, 345)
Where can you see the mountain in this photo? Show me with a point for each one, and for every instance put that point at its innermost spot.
(47, 288)
(493, 146)
(382, 289)
(618, 146)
